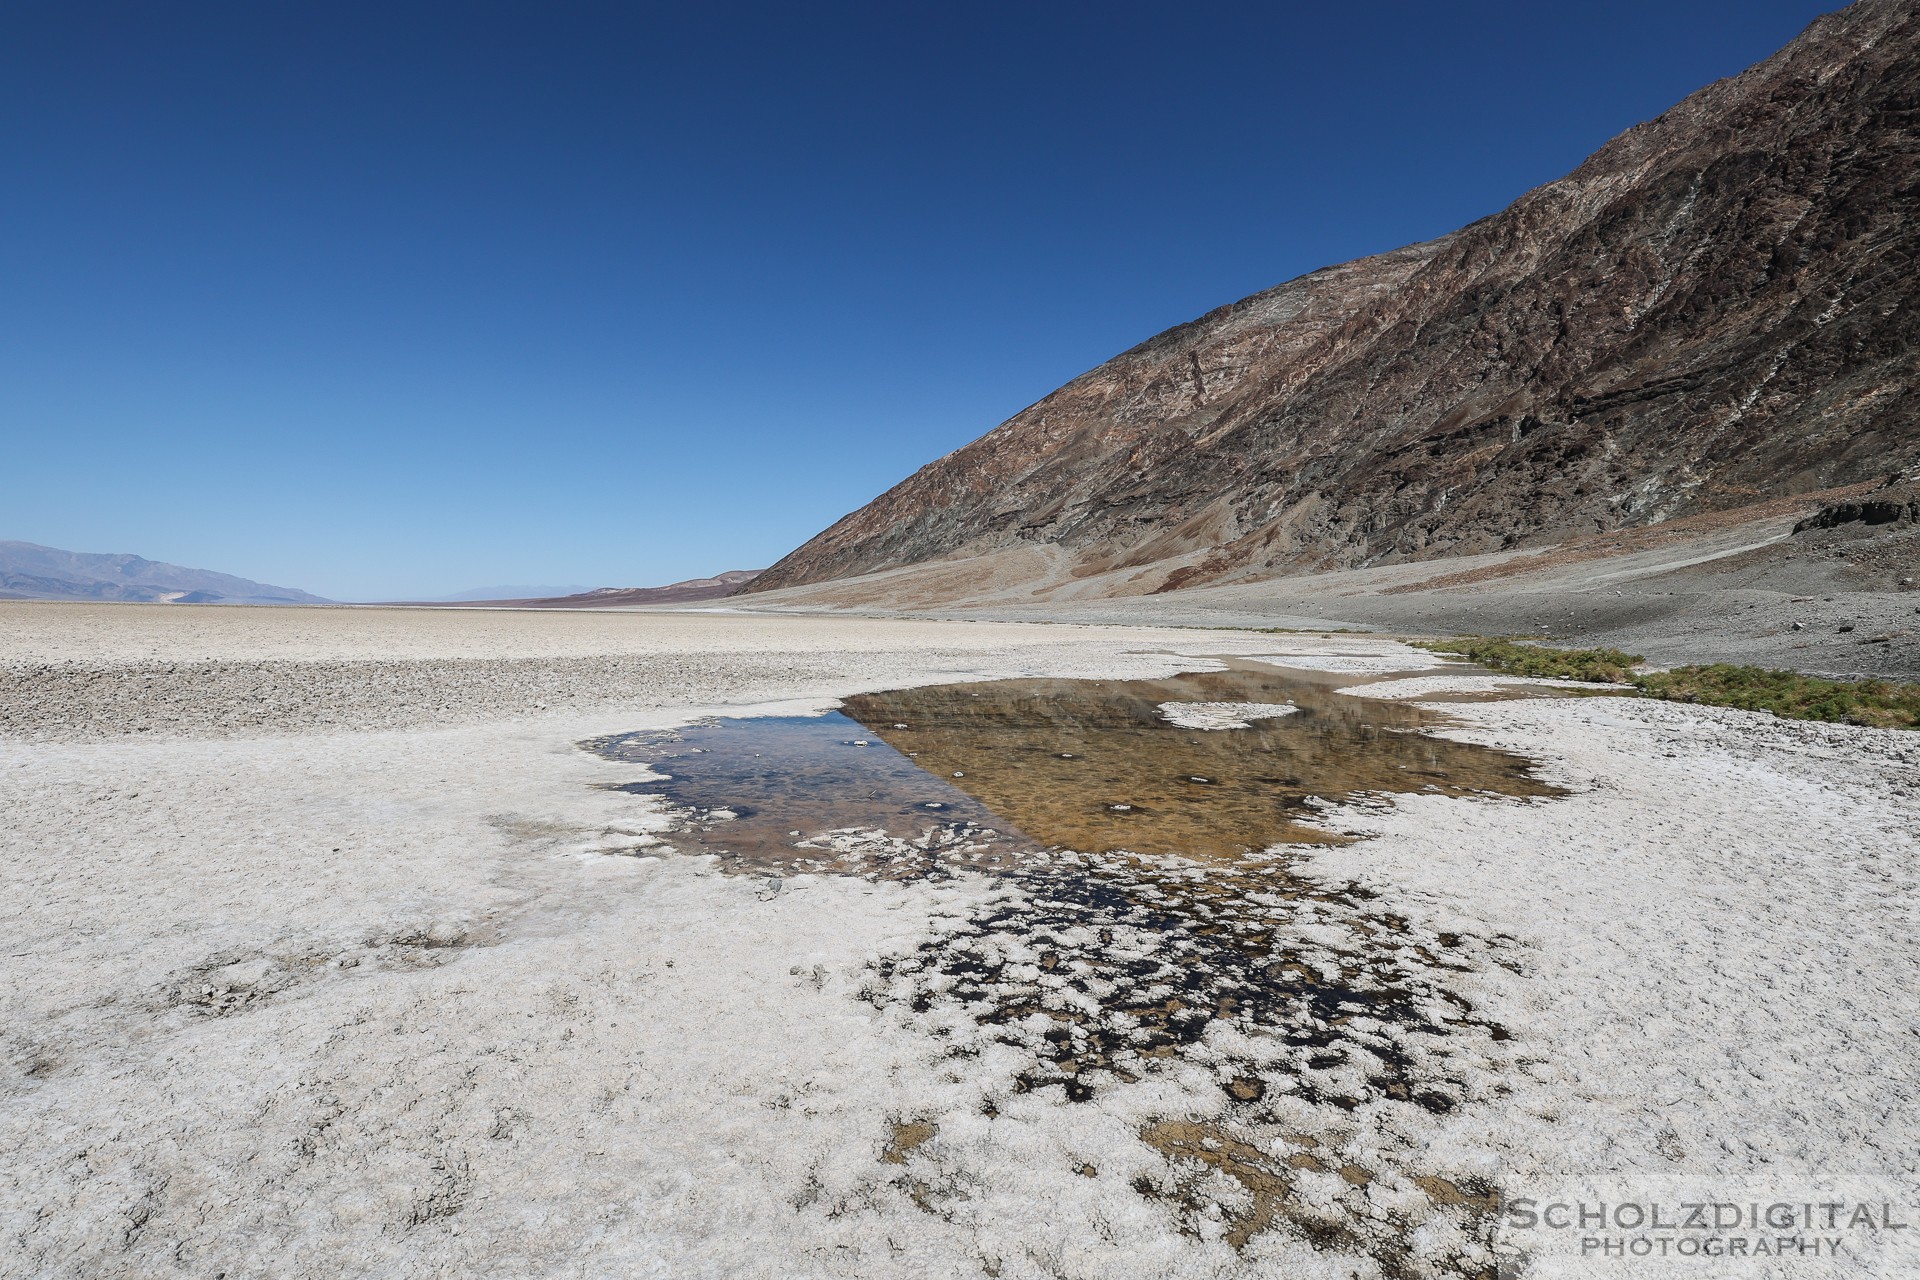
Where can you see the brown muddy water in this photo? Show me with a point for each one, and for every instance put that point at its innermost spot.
(988, 770)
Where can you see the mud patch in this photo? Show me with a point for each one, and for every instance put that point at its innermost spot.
(906, 1135)
(1219, 1183)
(234, 981)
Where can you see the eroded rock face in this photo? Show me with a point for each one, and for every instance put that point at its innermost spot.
(1893, 504)
(1716, 309)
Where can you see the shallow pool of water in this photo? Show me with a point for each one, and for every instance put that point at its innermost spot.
(993, 769)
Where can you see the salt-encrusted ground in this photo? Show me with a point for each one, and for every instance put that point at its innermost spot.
(287, 997)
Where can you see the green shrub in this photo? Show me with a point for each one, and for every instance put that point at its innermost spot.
(1788, 694)
(1519, 658)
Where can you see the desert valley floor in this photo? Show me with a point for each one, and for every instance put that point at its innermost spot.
(329, 950)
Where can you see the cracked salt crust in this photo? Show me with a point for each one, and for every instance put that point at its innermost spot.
(1716, 924)
(469, 1018)
(1399, 658)
(1428, 686)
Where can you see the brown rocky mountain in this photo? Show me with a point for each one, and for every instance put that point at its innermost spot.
(1719, 308)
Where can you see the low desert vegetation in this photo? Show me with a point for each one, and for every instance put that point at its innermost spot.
(1512, 656)
(1788, 694)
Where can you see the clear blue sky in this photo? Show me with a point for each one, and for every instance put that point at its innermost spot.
(393, 299)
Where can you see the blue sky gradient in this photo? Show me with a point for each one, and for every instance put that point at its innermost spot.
(390, 300)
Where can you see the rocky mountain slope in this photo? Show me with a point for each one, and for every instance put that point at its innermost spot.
(1715, 310)
(33, 572)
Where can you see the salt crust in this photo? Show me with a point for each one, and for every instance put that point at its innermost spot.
(1400, 658)
(427, 1001)
(1428, 686)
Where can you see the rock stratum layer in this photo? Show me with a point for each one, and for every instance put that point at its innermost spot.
(1716, 309)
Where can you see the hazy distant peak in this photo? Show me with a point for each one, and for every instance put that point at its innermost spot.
(519, 592)
(33, 572)
(689, 591)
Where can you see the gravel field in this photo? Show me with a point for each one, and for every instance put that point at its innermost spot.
(329, 953)
(83, 671)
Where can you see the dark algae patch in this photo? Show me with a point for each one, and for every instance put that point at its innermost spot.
(1103, 966)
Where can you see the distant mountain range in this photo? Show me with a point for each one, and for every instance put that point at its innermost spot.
(690, 591)
(29, 571)
(516, 592)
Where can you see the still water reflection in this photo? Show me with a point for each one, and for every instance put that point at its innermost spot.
(1089, 765)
